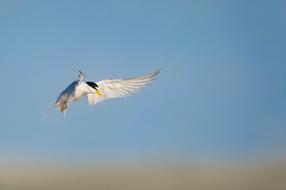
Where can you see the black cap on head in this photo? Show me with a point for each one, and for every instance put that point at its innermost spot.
(92, 84)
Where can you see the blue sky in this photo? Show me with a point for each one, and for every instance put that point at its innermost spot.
(221, 93)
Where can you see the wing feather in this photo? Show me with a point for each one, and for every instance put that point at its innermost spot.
(116, 88)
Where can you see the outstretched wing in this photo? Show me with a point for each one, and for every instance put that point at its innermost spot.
(116, 88)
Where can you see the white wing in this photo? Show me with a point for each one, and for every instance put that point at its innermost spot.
(116, 88)
(91, 98)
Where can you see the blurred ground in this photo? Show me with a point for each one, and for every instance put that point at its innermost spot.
(262, 177)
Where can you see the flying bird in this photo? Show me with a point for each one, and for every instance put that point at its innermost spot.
(102, 90)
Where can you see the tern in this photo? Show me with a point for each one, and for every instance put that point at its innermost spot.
(101, 90)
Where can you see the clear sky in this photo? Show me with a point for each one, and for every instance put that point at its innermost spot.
(221, 93)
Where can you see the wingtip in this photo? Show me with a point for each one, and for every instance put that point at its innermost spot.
(158, 70)
(81, 75)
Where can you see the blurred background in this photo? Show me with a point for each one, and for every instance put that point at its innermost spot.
(214, 118)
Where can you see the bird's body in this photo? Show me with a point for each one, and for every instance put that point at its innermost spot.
(101, 90)
(72, 93)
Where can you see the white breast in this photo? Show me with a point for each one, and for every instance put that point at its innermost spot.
(81, 90)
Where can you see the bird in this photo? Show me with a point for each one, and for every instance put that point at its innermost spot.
(101, 90)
